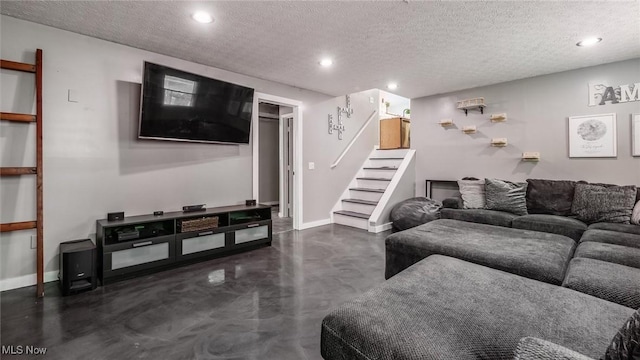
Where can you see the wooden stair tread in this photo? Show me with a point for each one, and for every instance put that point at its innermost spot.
(373, 178)
(386, 158)
(352, 214)
(358, 201)
(367, 189)
(381, 168)
(14, 171)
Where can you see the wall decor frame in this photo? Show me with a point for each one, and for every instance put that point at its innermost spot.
(593, 136)
(635, 134)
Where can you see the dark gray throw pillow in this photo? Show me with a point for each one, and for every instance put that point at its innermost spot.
(552, 197)
(506, 196)
(626, 344)
(596, 203)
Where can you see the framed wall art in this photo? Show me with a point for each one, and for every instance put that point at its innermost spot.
(592, 136)
(635, 134)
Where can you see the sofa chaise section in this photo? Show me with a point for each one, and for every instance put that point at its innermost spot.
(536, 255)
(612, 253)
(553, 224)
(446, 308)
(609, 281)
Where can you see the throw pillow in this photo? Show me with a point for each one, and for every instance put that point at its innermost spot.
(472, 193)
(506, 196)
(626, 344)
(595, 203)
(635, 215)
(550, 196)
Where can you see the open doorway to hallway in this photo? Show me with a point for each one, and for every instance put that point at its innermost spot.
(277, 148)
(275, 163)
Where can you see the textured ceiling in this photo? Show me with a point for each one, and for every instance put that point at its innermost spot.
(426, 47)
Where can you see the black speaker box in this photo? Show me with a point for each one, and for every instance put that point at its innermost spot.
(115, 216)
(78, 270)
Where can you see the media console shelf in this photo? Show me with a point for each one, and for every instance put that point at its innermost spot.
(139, 245)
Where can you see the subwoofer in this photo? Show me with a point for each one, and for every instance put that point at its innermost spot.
(78, 270)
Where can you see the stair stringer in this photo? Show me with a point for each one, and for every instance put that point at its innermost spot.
(401, 187)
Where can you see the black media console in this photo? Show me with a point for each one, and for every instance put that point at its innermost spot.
(139, 245)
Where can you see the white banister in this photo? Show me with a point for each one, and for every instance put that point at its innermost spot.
(344, 152)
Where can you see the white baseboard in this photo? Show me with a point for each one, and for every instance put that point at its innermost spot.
(313, 224)
(26, 280)
(380, 228)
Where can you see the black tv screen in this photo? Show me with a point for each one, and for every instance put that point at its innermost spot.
(181, 106)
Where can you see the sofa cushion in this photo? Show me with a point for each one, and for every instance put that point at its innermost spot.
(482, 216)
(503, 195)
(618, 254)
(626, 344)
(611, 237)
(552, 197)
(472, 193)
(594, 203)
(445, 308)
(635, 215)
(613, 282)
(625, 228)
(551, 224)
(535, 255)
(530, 348)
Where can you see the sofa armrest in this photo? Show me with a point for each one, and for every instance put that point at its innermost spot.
(530, 348)
(452, 203)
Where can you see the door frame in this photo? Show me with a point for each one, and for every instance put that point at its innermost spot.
(297, 201)
(285, 136)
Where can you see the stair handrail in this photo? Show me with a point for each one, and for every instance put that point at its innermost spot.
(344, 152)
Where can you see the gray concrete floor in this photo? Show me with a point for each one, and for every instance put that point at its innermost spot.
(263, 304)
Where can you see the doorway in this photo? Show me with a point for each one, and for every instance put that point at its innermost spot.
(277, 175)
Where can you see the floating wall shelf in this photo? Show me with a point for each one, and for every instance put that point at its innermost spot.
(446, 122)
(532, 156)
(499, 142)
(471, 104)
(498, 117)
(470, 129)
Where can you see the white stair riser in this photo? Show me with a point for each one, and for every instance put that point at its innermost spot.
(364, 195)
(355, 207)
(372, 184)
(387, 174)
(383, 162)
(351, 221)
(400, 153)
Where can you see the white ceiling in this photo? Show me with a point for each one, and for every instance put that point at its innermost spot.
(426, 47)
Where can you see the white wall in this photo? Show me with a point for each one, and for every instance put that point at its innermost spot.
(538, 109)
(93, 162)
(323, 185)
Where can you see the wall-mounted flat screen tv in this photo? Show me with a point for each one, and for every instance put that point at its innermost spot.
(181, 106)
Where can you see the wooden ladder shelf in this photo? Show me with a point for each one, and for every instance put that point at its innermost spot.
(37, 170)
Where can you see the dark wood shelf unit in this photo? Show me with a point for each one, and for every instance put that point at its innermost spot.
(36, 118)
(159, 242)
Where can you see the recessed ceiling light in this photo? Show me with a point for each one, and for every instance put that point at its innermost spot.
(392, 86)
(589, 41)
(326, 62)
(202, 17)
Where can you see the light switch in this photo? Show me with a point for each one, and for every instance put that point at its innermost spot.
(370, 99)
(312, 165)
(73, 96)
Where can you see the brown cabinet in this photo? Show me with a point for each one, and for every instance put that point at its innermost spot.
(394, 133)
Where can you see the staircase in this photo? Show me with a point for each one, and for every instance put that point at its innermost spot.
(367, 189)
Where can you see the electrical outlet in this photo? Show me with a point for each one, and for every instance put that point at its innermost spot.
(34, 241)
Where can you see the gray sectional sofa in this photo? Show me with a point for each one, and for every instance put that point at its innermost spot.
(486, 284)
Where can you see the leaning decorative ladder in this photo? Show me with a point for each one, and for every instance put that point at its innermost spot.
(37, 171)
